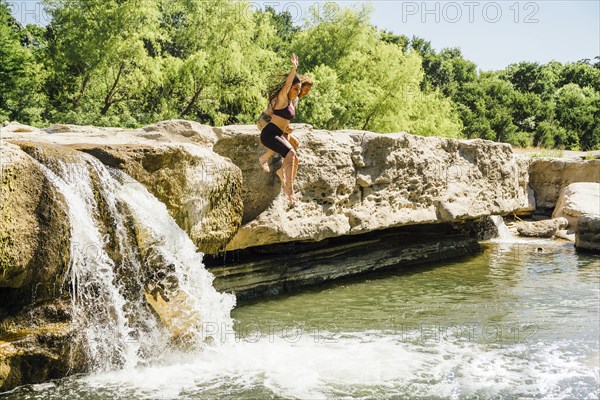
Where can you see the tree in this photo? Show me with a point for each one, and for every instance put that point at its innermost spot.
(446, 71)
(577, 112)
(99, 56)
(218, 59)
(21, 77)
(581, 73)
(376, 82)
(486, 109)
(530, 77)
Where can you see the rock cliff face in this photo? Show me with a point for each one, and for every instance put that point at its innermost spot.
(34, 231)
(173, 159)
(352, 182)
(588, 234)
(349, 183)
(550, 175)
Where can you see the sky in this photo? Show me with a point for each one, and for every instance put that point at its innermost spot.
(493, 34)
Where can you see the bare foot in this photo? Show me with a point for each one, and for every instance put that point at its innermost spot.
(289, 192)
(291, 197)
(264, 163)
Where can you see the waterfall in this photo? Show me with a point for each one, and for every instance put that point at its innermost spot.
(503, 232)
(138, 285)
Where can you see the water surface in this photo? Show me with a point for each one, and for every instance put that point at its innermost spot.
(513, 322)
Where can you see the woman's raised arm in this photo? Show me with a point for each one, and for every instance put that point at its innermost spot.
(290, 79)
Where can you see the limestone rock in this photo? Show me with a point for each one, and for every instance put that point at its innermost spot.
(17, 127)
(548, 176)
(39, 344)
(173, 159)
(200, 189)
(544, 229)
(566, 235)
(34, 231)
(256, 276)
(587, 236)
(198, 133)
(351, 182)
(523, 178)
(578, 199)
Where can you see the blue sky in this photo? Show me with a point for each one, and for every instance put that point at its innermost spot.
(493, 34)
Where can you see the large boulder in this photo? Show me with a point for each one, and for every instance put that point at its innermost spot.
(544, 229)
(549, 176)
(34, 231)
(39, 344)
(578, 199)
(587, 236)
(351, 182)
(173, 159)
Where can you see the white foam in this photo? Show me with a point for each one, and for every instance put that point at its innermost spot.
(366, 364)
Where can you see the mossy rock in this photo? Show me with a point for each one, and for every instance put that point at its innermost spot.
(201, 190)
(34, 232)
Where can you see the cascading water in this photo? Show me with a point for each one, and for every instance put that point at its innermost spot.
(503, 232)
(508, 323)
(131, 266)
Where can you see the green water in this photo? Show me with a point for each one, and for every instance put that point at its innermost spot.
(509, 323)
(549, 295)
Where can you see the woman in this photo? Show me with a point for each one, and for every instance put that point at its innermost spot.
(265, 118)
(271, 135)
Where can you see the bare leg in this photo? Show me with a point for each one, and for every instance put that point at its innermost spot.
(279, 173)
(264, 159)
(288, 173)
(295, 170)
(295, 143)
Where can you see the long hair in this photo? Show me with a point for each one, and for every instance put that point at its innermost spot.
(306, 80)
(279, 83)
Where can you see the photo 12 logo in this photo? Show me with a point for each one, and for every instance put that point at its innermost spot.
(29, 12)
(297, 10)
(469, 11)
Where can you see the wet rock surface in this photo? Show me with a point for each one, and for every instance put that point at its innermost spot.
(543, 229)
(587, 236)
(549, 176)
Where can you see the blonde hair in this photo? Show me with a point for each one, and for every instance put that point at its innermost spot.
(306, 80)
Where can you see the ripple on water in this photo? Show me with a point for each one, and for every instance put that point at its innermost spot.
(499, 324)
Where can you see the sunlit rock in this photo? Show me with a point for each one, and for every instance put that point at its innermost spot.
(352, 182)
(549, 176)
(544, 229)
(587, 236)
(34, 231)
(578, 199)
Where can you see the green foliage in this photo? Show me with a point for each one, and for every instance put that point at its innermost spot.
(486, 107)
(581, 73)
(364, 80)
(527, 77)
(446, 71)
(21, 76)
(133, 62)
(577, 111)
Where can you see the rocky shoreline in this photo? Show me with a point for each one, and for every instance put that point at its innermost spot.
(367, 202)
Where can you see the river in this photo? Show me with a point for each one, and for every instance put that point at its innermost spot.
(518, 321)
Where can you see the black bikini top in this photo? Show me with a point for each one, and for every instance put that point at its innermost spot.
(288, 113)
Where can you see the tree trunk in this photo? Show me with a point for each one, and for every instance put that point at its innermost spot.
(191, 102)
(108, 99)
(86, 80)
